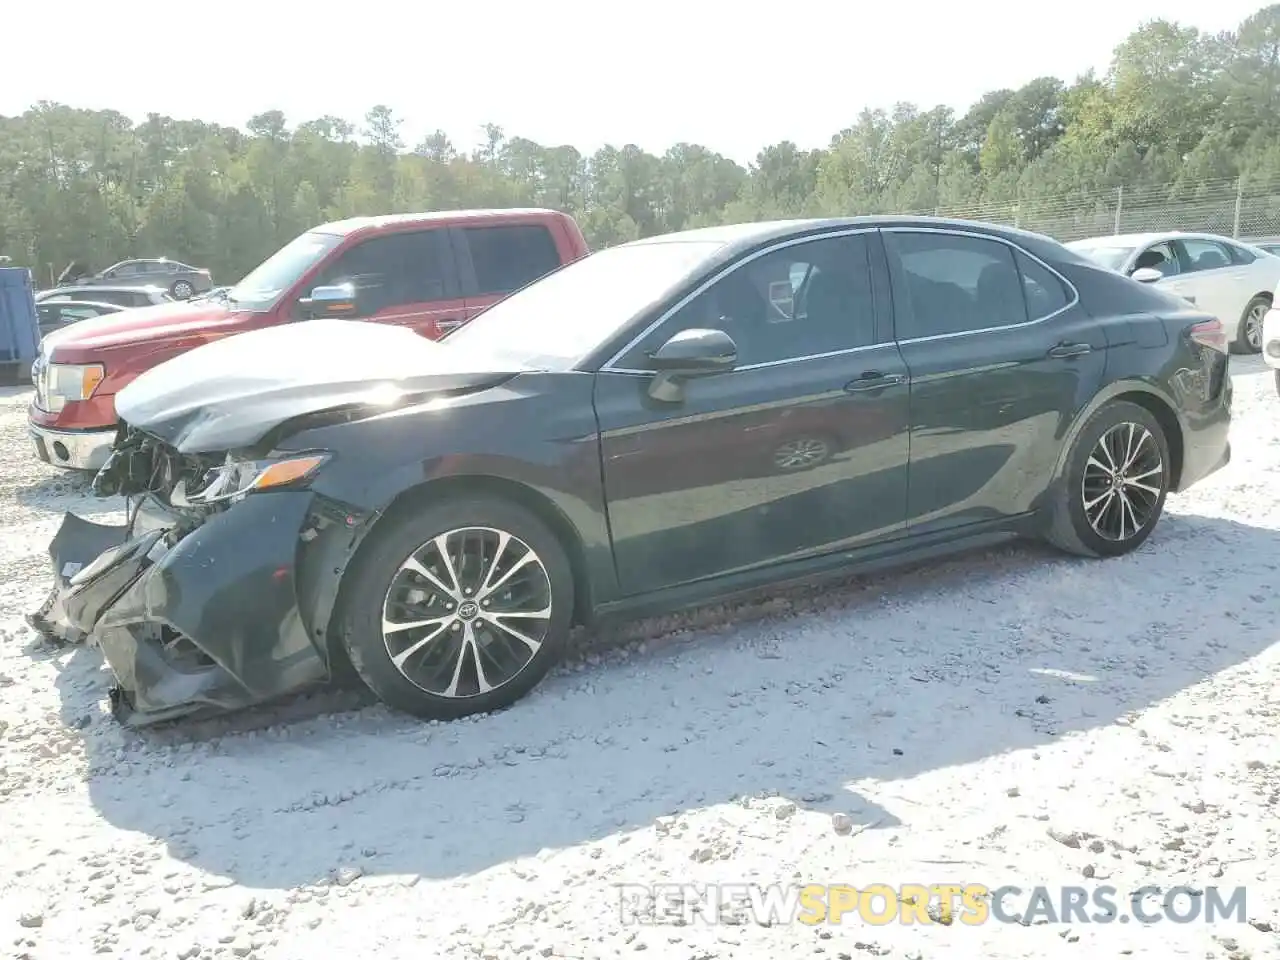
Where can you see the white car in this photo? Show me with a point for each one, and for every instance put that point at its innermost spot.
(1232, 280)
(1271, 341)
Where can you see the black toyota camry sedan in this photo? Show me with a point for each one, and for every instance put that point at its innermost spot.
(658, 425)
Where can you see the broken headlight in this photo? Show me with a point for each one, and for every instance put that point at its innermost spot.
(238, 478)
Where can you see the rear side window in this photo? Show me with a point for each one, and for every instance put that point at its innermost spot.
(944, 284)
(507, 258)
(395, 270)
(1240, 254)
(1044, 292)
(1205, 255)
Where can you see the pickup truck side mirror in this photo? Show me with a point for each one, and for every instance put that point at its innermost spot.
(326, 302)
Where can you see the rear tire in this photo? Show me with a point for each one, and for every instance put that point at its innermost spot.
(1249, 337)
(492, 618)
(182, 290)
(1091, 513)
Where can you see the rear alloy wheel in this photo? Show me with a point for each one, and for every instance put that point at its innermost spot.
(182, 290)
(1114, 488)
(460, 610)
(1250, 337)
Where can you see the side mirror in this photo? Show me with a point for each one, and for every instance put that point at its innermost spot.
(338, 300)
(1147, 275)
(694, 352)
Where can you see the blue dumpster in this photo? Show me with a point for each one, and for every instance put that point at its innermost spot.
(19, 324)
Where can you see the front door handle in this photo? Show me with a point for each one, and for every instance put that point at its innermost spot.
(1070, 350)
(873, 380)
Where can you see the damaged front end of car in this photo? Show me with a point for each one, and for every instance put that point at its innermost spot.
(197, 601)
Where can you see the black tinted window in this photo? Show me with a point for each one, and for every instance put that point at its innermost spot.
(395, 270)
(507, 258)
(1044, 291)
(946, 283)
(799, 301)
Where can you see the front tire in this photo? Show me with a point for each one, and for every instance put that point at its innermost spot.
(460, 609)
(1113, 490)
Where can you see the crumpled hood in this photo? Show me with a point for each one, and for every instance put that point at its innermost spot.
(232, 392)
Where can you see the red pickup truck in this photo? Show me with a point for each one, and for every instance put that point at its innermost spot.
(428, 271)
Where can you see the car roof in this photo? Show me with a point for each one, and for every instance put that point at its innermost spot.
(395, 220)
(113, 287)
(740, 236)
(1140, 239)
(81, 303)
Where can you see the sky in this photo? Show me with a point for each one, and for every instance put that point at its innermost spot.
(731, 76)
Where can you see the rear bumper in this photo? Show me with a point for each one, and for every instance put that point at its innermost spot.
(1206, 444)
(72, 449)
(192, 621)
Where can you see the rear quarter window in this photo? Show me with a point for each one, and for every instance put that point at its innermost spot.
(506, 258)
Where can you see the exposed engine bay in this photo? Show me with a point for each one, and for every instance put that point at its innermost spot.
(141, 465)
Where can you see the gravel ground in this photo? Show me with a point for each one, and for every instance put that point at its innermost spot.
(1014, 717)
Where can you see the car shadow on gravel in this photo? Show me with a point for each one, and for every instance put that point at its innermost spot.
(55, 491)
(880, 680)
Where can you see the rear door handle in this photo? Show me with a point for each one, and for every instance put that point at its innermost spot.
(1070, 350)
(873, 380)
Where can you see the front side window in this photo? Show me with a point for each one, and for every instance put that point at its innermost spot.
(945, 284)
(1205, 255)
(509, 257)
(271, 279)
(395, 270)
(802, 300)
(1160, 257)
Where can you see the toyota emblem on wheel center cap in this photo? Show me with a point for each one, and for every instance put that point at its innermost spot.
(468, 610)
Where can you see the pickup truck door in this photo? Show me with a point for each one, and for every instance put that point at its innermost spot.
(409, 278)
(496, 260)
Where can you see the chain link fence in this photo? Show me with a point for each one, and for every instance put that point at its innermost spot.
(1240, 207)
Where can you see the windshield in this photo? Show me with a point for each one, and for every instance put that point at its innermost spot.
(280, 271)
(1112, 258)
(556, 321)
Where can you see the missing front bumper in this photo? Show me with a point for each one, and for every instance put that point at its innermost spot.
(190, 621)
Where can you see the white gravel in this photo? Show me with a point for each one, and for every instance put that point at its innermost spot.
(954, 717)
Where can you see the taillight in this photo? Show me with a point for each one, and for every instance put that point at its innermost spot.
(1209, 334)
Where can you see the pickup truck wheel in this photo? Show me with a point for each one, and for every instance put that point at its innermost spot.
(461, 609)
(1113, 491)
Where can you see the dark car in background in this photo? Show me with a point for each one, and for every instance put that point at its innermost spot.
(56, 313)
(440, 514)
(180, 279)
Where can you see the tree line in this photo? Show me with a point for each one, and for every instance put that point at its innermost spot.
(1177, 107)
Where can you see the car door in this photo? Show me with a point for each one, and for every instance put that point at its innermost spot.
(1001, 358)
(801, 449)
(407, 278)
(497, 260)
(1221, 286)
